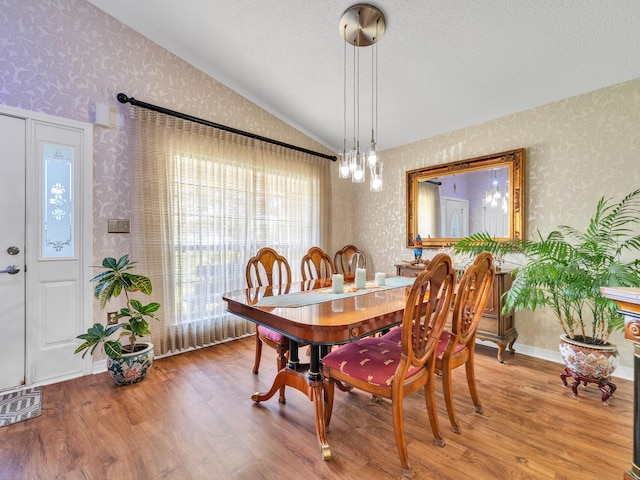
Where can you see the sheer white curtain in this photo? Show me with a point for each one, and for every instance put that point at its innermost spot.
(428, 210)
(204, 202)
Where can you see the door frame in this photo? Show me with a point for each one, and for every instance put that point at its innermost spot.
(32, 207)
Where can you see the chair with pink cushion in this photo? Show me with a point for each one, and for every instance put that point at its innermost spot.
(268, 268)
(316, 264)
(347, 259)
(457, 347)
(392, 370)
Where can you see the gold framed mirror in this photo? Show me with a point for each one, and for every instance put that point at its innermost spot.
(451, 201)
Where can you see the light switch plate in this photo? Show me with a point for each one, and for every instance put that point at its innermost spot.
(118, 226)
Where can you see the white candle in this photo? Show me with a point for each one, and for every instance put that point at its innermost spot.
(361, 278)
(337, 283)
(380, 279)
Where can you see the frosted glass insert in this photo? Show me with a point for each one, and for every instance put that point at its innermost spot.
(57, 221)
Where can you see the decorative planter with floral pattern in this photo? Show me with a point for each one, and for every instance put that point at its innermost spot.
(586, 360)
(131, 367)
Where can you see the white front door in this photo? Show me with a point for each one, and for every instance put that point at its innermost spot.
(12, 246)
(46, 187)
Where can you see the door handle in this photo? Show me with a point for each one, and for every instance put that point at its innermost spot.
(11, 270)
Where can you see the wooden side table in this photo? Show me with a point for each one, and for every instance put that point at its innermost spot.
(628, 299)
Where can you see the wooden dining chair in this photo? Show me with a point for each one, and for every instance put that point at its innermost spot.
(457, 347)
(347, 259)
(316, 264)
(268, 268)
(387, 369)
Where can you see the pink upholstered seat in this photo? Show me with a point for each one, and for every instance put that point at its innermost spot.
(372, 360)
(272, 335)
(395, 334)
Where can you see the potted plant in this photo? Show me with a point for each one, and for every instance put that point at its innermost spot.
(564, 271)
(127, 363)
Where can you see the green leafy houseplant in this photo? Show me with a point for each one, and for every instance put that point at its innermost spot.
(566, 269)
(111, 282)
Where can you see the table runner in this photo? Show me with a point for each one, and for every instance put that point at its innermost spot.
(319, 295)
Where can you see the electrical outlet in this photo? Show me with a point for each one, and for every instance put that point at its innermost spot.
(111, 318)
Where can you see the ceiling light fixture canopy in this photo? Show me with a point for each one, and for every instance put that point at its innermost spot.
(361, 25)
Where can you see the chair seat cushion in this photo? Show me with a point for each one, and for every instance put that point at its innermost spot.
(442, 344)
(272, 335)
(395, 334)
(373, 360)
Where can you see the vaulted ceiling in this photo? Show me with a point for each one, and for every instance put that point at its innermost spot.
(443, 64)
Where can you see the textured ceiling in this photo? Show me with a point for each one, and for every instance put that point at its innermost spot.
(443, 64)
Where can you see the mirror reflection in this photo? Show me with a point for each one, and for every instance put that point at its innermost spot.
(456, 206)
(451, 201)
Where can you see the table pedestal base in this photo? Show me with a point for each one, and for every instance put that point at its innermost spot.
(312, 386)
(604, 384)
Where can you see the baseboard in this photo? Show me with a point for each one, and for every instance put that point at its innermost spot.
(625, 373)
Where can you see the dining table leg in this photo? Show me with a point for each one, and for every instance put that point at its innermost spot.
(317, 397)
(309, 383)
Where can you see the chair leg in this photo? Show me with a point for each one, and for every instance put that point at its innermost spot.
(398, 430)
(282, 363)
(430, 400)
(448, 396)
(471, 380)
(256, 363)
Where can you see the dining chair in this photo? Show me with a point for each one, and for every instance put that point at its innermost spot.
(316, 264)
(392, 370)
(457, 347)
(347, 259)
(268, 268)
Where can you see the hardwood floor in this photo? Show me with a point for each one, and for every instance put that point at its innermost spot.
(193, 418)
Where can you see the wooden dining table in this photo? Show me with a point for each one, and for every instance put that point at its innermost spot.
(310, 313)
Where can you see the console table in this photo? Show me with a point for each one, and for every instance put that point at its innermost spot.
(494, 326)
(628, 299)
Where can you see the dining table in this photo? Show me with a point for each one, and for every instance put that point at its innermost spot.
(312, 313)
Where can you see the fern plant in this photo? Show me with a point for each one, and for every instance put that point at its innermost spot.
(565, 270)
(115, 279)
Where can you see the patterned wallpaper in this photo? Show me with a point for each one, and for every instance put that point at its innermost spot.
(578, 150)
(62, 57)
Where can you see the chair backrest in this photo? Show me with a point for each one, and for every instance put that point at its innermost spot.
(268, 268)
(426, 311)
(347, 259)
(474, 290)
(316, 264)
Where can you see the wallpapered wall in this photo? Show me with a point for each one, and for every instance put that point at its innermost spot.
(61, 57)
(577, 149)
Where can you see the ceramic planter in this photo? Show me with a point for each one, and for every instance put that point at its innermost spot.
(586, 360)
(131, 367)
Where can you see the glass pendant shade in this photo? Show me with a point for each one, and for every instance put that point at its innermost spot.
(357, 176)
(373, 154)
(376, 177)
(343, 165)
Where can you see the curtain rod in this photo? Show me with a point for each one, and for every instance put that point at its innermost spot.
(122, 98)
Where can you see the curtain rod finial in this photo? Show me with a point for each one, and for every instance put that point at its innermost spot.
(122, 98)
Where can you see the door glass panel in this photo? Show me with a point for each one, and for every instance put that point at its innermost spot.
(57, 210)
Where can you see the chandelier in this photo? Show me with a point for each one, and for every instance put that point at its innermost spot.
(361, 25)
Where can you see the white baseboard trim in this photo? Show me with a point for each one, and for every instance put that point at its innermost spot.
(625, 373)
